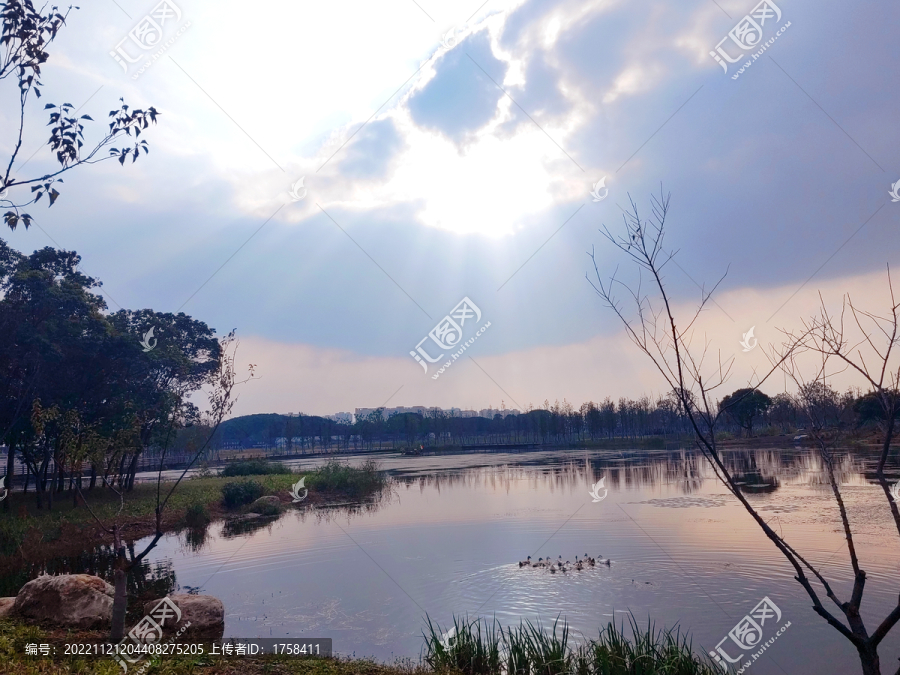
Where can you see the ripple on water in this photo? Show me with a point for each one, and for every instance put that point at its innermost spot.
(712, 501)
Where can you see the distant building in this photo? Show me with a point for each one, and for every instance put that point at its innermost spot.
(341, 418)
(388, 412)
(488, 413)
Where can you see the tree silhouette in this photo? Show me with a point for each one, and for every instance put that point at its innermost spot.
(744, 405)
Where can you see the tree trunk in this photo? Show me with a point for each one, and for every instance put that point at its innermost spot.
(40, 476)
(132, 470)
(868, 657)
(75, 492)
(10, 471)
(120, 478)
(120, 605)
(60, 476)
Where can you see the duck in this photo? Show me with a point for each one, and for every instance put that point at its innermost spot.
(590, 561)
(540, 563)
(578, 565)
(552, 569)
(526, 562)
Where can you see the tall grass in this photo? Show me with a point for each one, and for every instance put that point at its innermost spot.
(480, 647)
(335, 477)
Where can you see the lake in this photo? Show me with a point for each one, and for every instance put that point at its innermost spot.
(448, 538)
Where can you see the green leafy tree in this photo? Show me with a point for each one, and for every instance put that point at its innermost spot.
(53, 338)
(870, 408)
(155, 383)
(745, 405)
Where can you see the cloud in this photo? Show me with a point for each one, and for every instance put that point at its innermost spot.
(371, 152)
(460, 98)
(439, 186)
(591, 369)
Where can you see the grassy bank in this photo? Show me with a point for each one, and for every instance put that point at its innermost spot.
(474, 648)
(14, 636)
(29, 534)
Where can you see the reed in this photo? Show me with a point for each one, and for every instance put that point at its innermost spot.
(482, 647)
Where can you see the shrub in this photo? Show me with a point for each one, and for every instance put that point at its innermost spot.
(238, 494)
(197, 515)
(254, 467)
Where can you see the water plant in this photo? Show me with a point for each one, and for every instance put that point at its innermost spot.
(482, 647)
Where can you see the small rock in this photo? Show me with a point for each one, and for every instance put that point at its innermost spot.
(80, 600)
(242, 516)
(205, 613)
(6, 606)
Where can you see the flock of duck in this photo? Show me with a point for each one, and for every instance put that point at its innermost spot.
(559, 566)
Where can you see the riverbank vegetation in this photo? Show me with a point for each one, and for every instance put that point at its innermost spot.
(15, 635)
(481, 647)
(30, 534)
(472, 648)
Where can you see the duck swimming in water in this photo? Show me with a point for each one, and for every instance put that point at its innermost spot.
(526, 562)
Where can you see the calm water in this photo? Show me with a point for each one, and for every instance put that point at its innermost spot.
(447, 540)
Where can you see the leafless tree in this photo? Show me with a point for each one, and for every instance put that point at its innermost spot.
(874, 355)
(652, 326)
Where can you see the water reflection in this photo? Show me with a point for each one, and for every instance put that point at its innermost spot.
(445, 540)
(236, 527)
(756, 470)
(196, 538)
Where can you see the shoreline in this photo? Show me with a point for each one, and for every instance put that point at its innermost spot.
(34, 536)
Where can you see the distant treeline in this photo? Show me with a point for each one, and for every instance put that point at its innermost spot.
(747, 412)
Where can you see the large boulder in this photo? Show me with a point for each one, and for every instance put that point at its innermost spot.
(6, 606)
(79, 600)
(267, 506)
(205, 614)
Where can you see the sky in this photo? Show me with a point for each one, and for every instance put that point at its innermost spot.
(333, 179)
